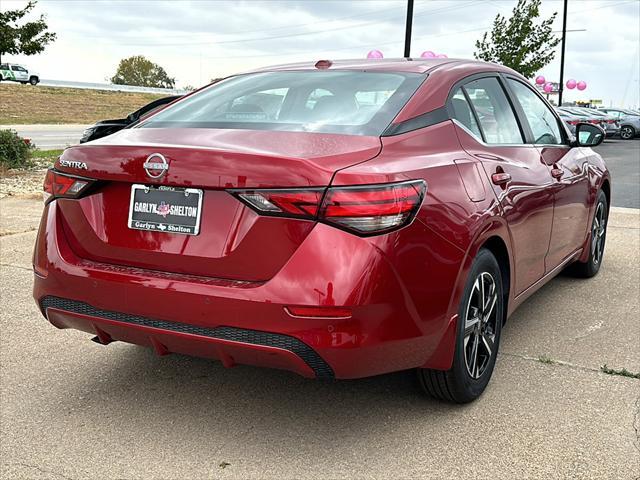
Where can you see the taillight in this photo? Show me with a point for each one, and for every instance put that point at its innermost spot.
(611, 122)
(363, 210)
(283, 203)
(58, 184)
(374, 209)
(573, 122)
(594, 122)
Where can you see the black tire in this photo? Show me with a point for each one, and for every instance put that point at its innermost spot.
(599, 223)
(464, 383)
(627, 132)
(34, 80)
(24, 83)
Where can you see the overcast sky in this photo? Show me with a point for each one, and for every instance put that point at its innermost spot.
(199, 40)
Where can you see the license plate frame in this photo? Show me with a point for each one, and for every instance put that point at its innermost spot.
(146, 216)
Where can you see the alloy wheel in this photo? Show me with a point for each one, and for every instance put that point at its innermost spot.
(480, 325)
(626, 133)
(598, 230)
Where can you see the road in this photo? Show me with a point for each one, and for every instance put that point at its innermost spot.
(50, 137)
(74, 409)
(623, 160)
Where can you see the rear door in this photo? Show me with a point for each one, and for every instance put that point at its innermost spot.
(568, 171)
(489, 130)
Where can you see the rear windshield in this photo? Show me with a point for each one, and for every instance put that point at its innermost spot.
(345, 102)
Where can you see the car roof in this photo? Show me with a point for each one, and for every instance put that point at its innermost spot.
(403, 65)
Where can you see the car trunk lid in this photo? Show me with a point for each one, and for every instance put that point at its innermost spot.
(234, 242)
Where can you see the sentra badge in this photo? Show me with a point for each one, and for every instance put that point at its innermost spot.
(72, 164)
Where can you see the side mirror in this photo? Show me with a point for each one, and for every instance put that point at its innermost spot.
(589, 135)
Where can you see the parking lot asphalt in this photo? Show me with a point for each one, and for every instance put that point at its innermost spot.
(623, 160)
(73, 409)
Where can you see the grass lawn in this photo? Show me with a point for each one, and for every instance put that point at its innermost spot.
(46, 156)
(27, 105)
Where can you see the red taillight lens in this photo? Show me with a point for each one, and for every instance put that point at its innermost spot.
(611, 121)
(573, 122)
(58, 184)
(364, 210)
(374, 209)
(283, 203)
(594, 122)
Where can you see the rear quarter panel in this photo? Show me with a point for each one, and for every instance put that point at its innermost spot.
(460, 212)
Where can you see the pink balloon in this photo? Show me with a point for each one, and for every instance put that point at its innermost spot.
(548, 88)
(540, 80)
(428, 54)
(582, 85)
(375, 54)
(441, 55)
(571, 84)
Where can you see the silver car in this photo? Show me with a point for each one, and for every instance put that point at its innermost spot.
(629, 121)
(611, 125)
(570, 120)
(585, 116)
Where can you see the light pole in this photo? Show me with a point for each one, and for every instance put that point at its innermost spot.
(564, 38)
(407, 31)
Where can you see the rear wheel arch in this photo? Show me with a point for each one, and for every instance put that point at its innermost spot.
(497, 246)
(606, 188)
(493, 235)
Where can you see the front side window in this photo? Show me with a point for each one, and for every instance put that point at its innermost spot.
(345, 102)
(497, 120)
(542, 121)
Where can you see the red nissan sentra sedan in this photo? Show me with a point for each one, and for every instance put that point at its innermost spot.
(336, 219)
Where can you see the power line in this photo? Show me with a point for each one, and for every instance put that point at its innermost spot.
(351, 47)
(296, 26)
(300, 34)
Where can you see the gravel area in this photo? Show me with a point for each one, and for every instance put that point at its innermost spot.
(24, 183)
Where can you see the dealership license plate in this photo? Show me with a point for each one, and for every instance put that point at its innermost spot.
(165, 209)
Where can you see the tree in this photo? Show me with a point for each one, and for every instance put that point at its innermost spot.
(518, 42)
(143, 73)
(26, 39)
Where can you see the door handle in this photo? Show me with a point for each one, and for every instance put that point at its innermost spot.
(500, 178)
(557, 173)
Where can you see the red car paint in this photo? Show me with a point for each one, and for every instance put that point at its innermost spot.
(374, 304)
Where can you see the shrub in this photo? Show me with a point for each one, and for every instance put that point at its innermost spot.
(15, 151)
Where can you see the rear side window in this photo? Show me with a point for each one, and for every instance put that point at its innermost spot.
(346, 102)
(497, 120)
(543, 123)
(462, 113)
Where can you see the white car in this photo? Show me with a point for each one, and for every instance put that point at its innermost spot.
(18, 73)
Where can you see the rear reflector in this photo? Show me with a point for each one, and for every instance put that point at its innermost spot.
(364, 210)
(319, 312)
(58, 184)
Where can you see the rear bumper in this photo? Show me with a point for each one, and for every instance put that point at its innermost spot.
(227, 344)
(398, 321)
